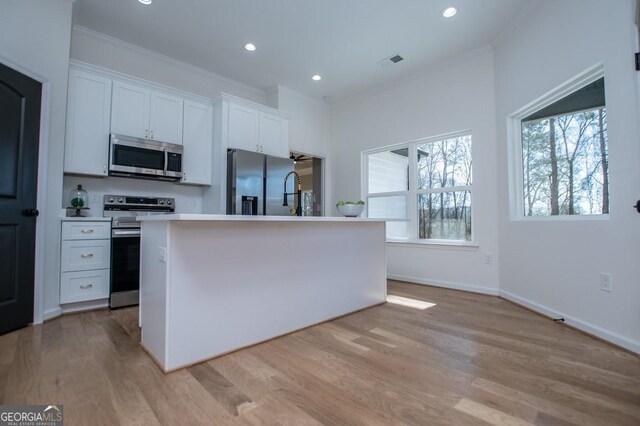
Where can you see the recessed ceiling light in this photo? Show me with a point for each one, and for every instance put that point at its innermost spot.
(147, 2)
(316, 78)
(250, 47)
(449, 12)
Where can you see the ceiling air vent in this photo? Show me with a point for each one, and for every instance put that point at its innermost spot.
(390, 60)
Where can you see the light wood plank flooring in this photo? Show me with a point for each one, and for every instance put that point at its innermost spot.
(468, 360)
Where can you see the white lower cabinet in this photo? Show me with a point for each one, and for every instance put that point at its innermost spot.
(85, 253)
(84, 285)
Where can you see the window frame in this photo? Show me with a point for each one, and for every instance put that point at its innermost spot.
(514, 148)
(412, 193)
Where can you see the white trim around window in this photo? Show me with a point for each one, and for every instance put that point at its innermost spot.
(514, 145)
(411, 195)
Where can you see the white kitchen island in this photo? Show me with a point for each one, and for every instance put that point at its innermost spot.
(212, 284)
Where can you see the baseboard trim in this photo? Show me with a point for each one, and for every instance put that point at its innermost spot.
(583, 326)
(446, 284)
(70, 308)
(51, 313)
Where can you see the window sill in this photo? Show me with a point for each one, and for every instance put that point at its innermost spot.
(438, 245)
(563, 218)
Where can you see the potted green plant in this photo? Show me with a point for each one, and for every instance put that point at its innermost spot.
(350, 208)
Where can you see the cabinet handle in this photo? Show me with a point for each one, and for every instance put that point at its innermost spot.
(104, 169)
(152, 134)
(87, 231)
(85, 286)
(261, 148)
(146, 133)
(86, 256)
(257, 147)
(184, 177)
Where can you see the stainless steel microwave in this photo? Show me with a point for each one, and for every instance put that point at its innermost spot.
(144, 159)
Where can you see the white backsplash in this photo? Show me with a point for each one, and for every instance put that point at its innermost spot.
(188, 198)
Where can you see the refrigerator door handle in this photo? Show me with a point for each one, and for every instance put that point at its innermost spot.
(231, 181)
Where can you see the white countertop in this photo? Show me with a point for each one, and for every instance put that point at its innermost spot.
(86, 219)
(246, 218)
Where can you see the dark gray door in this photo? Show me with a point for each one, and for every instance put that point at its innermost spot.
(19, 137)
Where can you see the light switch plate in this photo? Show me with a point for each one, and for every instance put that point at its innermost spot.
(163, 255)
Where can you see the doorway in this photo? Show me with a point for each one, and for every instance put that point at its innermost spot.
(310, 170)
(20, 98)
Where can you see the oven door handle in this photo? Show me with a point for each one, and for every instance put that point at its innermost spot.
(121, 233)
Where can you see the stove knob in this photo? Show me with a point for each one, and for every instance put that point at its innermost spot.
(111, 199)
(121, 200)
(169, 202)
(161, 202)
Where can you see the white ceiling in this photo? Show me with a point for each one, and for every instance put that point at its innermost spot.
(342, 40)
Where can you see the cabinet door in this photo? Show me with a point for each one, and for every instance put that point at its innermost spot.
(130, 110)
(243, 128)
(165, 119)
(88, 115)
(274, 135)
(197, 141)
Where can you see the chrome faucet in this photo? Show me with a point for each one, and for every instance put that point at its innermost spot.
(298, 193)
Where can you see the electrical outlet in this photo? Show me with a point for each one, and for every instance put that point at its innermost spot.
(163, 255)
(488, 258)
(606, 281)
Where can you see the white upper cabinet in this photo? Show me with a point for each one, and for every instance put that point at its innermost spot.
(130, 110)
(165, 119)
(88, 116)
(243, 128)
(143, 113)
(254, 127)
(197, 141)
(274, 132)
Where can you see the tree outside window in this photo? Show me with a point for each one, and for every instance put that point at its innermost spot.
(564, 156)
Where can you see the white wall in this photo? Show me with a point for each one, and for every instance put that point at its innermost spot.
(188, 198)
(554, 266)
(309, 129)
(451, 96)
(113, 54)
(35, 35)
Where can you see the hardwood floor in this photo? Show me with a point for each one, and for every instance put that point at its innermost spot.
(468, 360)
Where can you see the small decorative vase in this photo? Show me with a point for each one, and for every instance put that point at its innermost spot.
(78, 198)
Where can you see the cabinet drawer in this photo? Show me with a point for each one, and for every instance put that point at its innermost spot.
(86, 230)
(83, 286)
(85, 255)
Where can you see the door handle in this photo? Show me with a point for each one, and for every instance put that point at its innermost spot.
(87, 231)
(85, 286)
(86, 256)
(30, 212)
(637, 206)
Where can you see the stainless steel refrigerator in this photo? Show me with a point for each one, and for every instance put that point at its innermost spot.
(255, 183)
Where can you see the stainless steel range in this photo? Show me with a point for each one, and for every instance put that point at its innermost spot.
(125, 242)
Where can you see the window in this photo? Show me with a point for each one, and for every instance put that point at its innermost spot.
(422, 189)
(565, 168)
